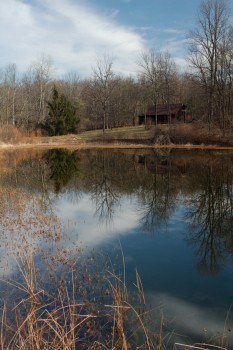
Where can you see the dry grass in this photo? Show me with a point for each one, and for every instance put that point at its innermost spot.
(65, 318)
(10, 134)
(123, 133)
(179, 136)
(198, 134)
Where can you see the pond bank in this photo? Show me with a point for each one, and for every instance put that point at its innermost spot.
(91, 145)
(185, 136)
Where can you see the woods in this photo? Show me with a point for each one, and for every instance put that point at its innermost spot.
(108, 99)
(210, 56)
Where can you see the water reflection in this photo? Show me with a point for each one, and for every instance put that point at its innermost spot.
(63, 165)
(158, 195)
(103, 193)
(182, 201)
(156, 182)
(210, 215)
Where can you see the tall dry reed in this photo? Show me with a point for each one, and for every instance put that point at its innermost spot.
(82, 312)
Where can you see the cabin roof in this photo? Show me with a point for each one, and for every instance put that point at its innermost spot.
(163, 109)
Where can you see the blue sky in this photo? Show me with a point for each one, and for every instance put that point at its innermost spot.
(75, 32)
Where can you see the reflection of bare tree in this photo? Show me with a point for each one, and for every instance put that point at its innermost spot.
(103, 193)
(28, 171)
(211, 218)
(45, 197)
(105, 199)
(157, 199)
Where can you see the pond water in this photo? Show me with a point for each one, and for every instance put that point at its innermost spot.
(170, 211)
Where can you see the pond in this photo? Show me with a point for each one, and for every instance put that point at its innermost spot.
(169, 213)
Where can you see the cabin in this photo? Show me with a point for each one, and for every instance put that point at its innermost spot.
(175, 113)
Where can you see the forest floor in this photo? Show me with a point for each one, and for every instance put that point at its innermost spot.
(195, 135)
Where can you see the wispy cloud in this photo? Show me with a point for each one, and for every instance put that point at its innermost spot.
(188, 318)
(124, 220)
(170, 40)
(171, 31)
(162, 30)
(71, 32)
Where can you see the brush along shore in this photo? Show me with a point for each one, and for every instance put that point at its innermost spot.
(161, 136)
(83, 309)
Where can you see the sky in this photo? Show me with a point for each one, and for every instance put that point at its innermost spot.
(76, 33)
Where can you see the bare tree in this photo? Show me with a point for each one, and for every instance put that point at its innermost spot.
(206, 43)
(104, 83)
(144, 98)
(9, 85)
(168, 78)
(40, 73)
(150, 70)
(125, 102)
(71, 85)
(224, 81)
(158, 72)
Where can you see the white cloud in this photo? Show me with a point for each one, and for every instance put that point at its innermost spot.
(124, 221)
(72, 33)
(187, 318)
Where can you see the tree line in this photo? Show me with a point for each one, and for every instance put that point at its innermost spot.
(106, 99)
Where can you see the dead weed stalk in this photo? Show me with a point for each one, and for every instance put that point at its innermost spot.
(71, 317)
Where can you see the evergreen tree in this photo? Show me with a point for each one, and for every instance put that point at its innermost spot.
(62, 117)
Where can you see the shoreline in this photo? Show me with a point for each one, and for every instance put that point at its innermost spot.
(76, 146)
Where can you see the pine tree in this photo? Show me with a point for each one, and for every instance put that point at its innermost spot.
(62, 116)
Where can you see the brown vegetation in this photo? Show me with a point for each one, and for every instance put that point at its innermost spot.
(10, 134)
(81, 313)
(195, 135)
(71, 301)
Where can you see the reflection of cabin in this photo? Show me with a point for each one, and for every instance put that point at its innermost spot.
(162, 167)
(176, 113)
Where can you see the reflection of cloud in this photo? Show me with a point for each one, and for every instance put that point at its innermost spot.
(25, 228)
(79, 225)
(90, 231)
(14, 245)
(190, 319)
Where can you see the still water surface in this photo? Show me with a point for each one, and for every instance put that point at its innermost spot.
(171, 211)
